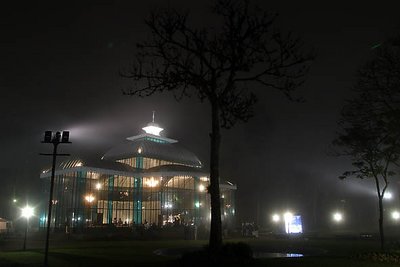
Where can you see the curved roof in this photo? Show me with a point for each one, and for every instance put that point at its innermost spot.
(173, 167)
(99, 164)
(145, 148)
(175, 170)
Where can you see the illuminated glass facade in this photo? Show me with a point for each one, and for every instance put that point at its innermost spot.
(148, 179)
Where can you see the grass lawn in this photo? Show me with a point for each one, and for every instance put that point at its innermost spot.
(98, 253)
(140, 253)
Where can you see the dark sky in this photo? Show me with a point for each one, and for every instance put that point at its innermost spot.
(59, 71)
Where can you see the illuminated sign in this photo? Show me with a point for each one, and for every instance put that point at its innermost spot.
(295, 225)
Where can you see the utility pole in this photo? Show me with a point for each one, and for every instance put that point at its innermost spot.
(55, 139)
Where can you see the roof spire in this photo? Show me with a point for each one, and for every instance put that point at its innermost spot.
(152, 127)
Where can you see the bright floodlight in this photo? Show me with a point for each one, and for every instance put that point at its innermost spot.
(27, 212)
(276, 218)
(337, 217)
(288, 217)
(388, 196)
(98, 186)
(396, 215)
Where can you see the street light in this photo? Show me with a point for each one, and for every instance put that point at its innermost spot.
(276, 218)
(26, 212)
(55, 139)
(395, 215)
(337, 217)
(387, 196)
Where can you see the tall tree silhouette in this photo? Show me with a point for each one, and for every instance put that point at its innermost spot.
(370, 122)
(218, 65)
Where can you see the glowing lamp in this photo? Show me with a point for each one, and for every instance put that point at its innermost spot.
(388, 195)
(89, 198)
(153, 129)
(27, 212)
(276, 218)
(151, 182)
(337, 217)
(287, 217)
(202, 188)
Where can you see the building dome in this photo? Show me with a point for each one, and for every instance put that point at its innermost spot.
(75, 162)
(146, 178)
(151, 145)
(148, 148)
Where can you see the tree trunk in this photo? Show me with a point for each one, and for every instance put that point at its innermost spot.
(215, 241)
(382, 236)
(380, 205)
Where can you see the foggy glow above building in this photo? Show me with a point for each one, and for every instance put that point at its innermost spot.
(153, 128)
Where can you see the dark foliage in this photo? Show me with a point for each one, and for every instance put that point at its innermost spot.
(220, 64)
(370, 122)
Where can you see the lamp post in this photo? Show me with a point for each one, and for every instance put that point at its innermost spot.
(55, 139)
(26, 212)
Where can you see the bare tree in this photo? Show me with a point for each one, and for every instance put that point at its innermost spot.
(218, 64)
(370, 123)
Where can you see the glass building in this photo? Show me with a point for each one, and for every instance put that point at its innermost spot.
(147, 179)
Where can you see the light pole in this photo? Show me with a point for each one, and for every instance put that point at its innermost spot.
(26, 212)
(54, 139)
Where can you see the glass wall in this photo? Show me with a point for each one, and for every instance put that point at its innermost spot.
(145, 163)
(91, 199)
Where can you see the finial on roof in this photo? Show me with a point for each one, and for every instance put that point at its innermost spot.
(152, 127)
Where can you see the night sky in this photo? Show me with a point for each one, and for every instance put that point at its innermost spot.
(59, 68)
